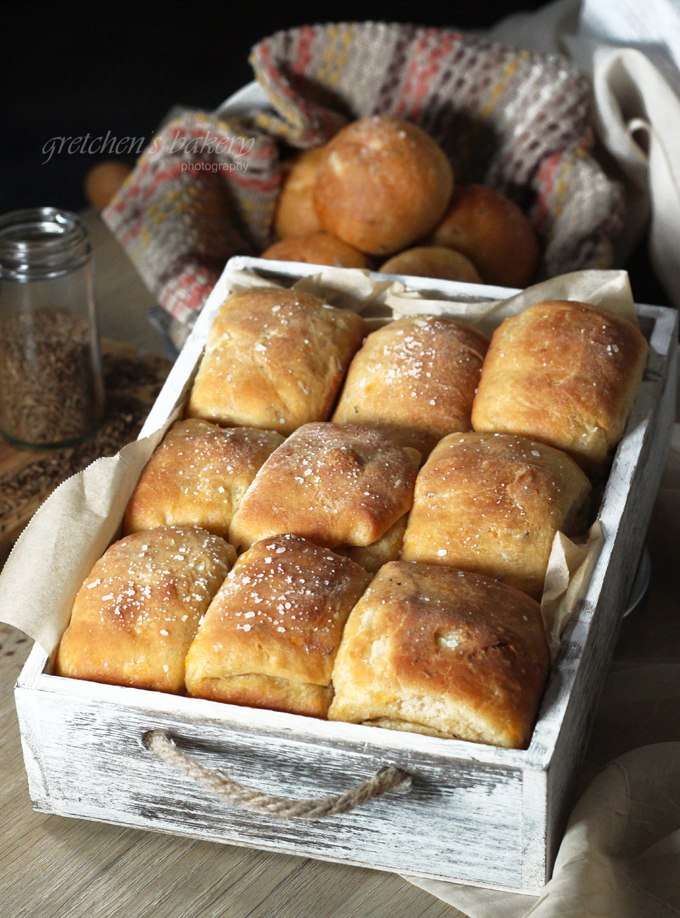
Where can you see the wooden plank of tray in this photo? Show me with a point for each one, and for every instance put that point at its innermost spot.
(85, 758)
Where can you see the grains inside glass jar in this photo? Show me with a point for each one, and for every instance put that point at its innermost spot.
(49, 385)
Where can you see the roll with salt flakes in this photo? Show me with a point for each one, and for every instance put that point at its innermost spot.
(198, 476)
(270, 636)
(415, 380)
(274, 359)
(381, 184)
(334, 485)
(564, 373)
(136, 614)
(492, 503)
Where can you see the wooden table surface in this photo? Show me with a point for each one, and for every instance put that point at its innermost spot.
(54, 867)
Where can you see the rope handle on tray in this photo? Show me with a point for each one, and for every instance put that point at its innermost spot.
(385, 779)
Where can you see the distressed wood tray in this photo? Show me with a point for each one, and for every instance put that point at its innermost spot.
(474, 814)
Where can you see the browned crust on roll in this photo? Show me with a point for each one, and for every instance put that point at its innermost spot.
(433, 261)
(295, 213)
(434, 649)
(492, 232)
(317, 249)
(274, 359)
(137, 612)
(270, 636)
(198, 476)
(330, 484)
(253, 690)
(564, 373)
(382, 183)
(492, 503)
(415, 379)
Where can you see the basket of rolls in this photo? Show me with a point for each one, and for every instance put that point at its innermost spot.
(494, 142)
(362, 571)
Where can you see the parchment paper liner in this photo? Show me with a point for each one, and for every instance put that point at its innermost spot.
(75, 525)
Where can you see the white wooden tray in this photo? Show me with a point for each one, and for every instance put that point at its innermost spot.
(475, 814)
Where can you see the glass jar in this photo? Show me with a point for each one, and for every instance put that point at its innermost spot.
(51, 386)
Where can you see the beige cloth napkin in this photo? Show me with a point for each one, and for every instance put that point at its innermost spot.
(637, 114)
(620, 857)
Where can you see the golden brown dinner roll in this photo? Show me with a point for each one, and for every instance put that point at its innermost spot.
(564, 373)
(433, 261)
(332, 485)
(274, 359)
(103, 181)
(198, 475)
(443, 652)
(270, 636)
(414, 379)
(492, 503)
(493, 233)
(381, 184)
(295, 213)
(317, 249)
(136, 615)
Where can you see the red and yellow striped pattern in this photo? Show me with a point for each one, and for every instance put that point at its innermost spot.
(512, 119)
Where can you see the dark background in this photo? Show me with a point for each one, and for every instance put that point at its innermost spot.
(70, 68)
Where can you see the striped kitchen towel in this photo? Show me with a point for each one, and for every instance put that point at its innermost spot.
(206, 189)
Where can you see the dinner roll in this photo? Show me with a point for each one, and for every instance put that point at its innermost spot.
(493, 233)
(415, 380)
(330, 484)
(295, 213)
(270, 636)
(442, 652)
(381, 184)
(198, 475)
(274, 359)
(317, 249)
(433, 261)
(136, 614)
(564, 373)
(492, 503)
